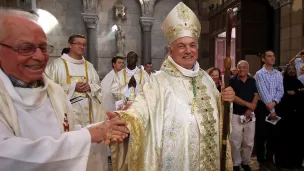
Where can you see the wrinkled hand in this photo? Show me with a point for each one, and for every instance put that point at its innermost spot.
(110, 129)
(270, 105)
(291, 92)
(82, 87)
(228, 94)
(114, 116)
(251, 106)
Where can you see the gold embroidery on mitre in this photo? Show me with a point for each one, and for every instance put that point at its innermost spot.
(181, 22)
(177, 29)
(183, 12)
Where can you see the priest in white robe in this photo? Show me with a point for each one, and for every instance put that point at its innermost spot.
(175, 123)
(81, 83)
(36, 118)
(120, 88)
(107, 81)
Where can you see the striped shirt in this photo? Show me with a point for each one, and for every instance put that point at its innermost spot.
(22, 84)
(270, 86)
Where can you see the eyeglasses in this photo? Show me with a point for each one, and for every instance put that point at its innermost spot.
(79, 44)
(29, 49)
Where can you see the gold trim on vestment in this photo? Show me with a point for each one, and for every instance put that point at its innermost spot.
(68, 81)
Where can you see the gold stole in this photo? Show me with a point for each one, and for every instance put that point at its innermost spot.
(68, 81)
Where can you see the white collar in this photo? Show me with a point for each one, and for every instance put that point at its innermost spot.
(72, 60)
(133, 71)
(36, 100)
(186, 72)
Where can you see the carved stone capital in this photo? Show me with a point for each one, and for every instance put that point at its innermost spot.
(146, 23)
(90, 20)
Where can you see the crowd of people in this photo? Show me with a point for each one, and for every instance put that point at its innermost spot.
(269, 95)
(59, 116)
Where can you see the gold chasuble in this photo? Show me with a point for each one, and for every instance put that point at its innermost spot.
(174, 124)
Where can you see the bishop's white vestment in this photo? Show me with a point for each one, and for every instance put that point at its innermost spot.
(34, 125)
(120, 84)
(174, 124)
(88, 107)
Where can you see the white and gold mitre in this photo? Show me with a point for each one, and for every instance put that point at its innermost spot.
(181, 22)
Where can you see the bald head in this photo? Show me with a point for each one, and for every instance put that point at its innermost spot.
(20, 31)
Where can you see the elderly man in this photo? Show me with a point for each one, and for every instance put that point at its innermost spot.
(120, 87)
(35, 114)
(175, 121)
(80, 81)
(243, 120)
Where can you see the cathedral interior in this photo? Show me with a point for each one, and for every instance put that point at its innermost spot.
(259, 25)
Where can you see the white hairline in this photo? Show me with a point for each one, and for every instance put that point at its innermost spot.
(242, 61)
(5, 12)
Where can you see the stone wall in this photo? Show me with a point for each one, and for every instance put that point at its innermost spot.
(106, 36)
(70, 21)
(132, 28)
(292, 37)
(158, 41)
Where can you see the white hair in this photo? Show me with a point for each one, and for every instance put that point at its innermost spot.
(5, 12)
(242, 61)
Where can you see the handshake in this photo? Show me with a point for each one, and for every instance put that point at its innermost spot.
(112, 130)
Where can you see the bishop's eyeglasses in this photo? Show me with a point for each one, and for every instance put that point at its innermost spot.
(27, 49)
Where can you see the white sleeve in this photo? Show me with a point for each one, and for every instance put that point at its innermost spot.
(68, 152)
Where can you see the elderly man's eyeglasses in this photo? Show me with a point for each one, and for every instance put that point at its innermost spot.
(29, 49)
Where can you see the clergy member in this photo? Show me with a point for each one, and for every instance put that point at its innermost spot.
(106, 83)
(175, 122)
(81, 82)
(120, 88)
(35, 114)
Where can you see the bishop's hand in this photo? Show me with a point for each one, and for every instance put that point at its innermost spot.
(228, 95)
(114, 116)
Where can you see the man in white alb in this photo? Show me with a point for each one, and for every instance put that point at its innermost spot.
(80, 81)
(35, 114)
(120, 86)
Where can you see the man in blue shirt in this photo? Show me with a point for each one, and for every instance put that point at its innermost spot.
(270, 87)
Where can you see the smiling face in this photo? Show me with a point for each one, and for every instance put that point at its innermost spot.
(184, 51)
(243, 68)
(26, 68)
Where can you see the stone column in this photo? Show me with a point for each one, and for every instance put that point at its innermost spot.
(146, 23)
(91, 24)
